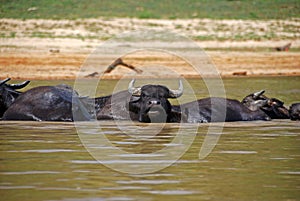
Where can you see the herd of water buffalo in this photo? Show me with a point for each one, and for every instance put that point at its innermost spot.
(148, 103)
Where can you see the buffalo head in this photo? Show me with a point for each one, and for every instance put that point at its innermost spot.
(273, 107)
(152, 104)
(8, 94)
(255, 101)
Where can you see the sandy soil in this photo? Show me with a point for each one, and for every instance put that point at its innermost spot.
(44, 65)
(23, 57)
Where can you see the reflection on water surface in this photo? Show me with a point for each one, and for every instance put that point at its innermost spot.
(46, 161)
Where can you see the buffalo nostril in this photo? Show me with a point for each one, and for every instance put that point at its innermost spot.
(154, 102)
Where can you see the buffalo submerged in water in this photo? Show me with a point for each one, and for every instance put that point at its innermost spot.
(48, 103)
(273, 107)
(148, 103)
(294, 111)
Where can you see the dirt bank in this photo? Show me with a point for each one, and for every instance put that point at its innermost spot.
(57, 54)
(46, 65)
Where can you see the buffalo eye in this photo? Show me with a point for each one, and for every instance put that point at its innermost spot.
(144, 95)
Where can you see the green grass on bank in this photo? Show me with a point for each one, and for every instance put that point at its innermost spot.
(165, 9)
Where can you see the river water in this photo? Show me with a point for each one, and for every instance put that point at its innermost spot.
(248, 161)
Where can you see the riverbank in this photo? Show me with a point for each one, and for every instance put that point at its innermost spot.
(58, 49)
(47, 63)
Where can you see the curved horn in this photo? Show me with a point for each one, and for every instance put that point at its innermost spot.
(4, 81)
(176, 93)
(19, 86)
(135, 91)
(261, 103)
(259, 93)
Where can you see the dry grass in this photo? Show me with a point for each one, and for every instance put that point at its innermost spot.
(197, 29)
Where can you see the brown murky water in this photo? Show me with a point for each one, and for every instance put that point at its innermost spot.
(250, 161)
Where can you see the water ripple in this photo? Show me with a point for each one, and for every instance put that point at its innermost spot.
(290, 172)
(47, 150)
(131, 161)
(149, 182)
(16, 187)
(29, 172)
(171, 192)
(237, 152)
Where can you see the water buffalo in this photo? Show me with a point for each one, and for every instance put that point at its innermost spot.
(8, 94)
(216, 109)
(150, 104)
(295, 111)
(48, 103)
(116, 107)
(273, 107)
(146, 104)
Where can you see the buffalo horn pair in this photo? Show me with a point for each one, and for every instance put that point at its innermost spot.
(136, 91)
(14, 86)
